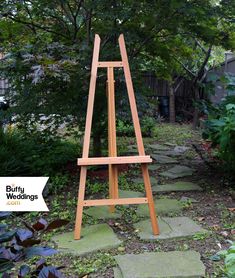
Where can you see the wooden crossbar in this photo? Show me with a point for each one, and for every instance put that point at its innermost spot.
(112, 64)
(121, 201)
(114, 160)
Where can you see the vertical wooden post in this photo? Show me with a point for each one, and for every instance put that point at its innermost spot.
(138, 134)
(87, 135)
(113, 170)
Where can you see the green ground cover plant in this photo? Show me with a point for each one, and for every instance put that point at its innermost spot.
(22, 155)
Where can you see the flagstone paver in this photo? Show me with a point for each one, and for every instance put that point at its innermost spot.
(130, 194)
(117, 272)
(163, 159)
(188, 199)
(154, 167)
(180, 149)
(140, 180)
(177, 186)
(177, 171)
(159, 147)
(94, 238)
(169, 153)
(169, 144)
(102, 212)
(162, 206)
(174, 264)
(170, 227)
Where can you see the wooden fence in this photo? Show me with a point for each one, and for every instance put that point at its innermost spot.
(183, 98)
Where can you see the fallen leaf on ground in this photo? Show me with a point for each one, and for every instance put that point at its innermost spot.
(215, 227)
(231, 209)
(200, 219)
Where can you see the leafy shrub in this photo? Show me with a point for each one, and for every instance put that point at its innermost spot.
(19, 244)
(220, 129)
(125, 129)
(21, 155)
(148, 127)
(229, 260)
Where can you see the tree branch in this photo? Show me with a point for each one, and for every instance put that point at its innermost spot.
(34, 25)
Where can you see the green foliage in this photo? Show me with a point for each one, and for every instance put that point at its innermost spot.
(229, 260)
(22, 155)
(94, 187)
(175, 134)
(125, 129)
(100, 261)
(126, 184)
(148, 127)
(58, 182)
(49, 47)
(201, 236)
(220, 129)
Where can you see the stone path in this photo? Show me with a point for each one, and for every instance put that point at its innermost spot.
(170, 227)
(177, 186)
(94, 238)
(160, 265)
(164, 159)
(177, 171)
(163, 207)
(178, 264)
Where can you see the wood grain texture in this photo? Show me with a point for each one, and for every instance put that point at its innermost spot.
(114, 160)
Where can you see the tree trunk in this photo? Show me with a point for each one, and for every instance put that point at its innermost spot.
(196, 110)
(172, 103)
(97, 148)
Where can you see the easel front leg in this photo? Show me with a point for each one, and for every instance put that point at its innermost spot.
(81, 194)
(149, 195)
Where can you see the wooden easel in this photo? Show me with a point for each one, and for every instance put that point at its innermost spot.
(113, 160)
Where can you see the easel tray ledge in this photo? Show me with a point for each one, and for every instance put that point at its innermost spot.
(113, 160)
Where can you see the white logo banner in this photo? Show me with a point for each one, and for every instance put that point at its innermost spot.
(22, 194)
